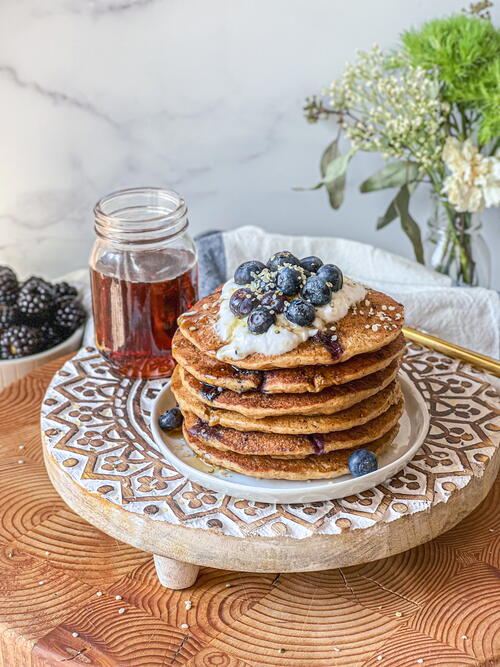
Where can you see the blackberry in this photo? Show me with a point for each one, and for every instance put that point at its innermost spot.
(69, 314)
(20, 341)
(38, 282)
(8, 315)
(64, 289)
(51, 336)
(35, 301)
(9, 286)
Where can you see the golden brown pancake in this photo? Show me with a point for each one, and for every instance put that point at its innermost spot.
(259, 405)
(287, 380)
(358, 332)
(291, 446)
(325, 466)
(294, 424)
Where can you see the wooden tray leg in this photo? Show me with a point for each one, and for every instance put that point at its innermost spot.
(174, 573)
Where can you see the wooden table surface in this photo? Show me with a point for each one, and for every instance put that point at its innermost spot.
(69, 593)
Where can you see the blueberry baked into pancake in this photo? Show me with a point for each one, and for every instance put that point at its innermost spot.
(290, 371)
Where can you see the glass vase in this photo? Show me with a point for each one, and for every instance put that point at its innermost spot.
(454, 245)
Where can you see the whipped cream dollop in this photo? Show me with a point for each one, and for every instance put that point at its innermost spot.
(282, 336)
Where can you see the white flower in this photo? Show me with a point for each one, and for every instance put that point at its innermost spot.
(474, 182)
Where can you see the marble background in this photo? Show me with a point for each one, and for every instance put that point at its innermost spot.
(203, 96)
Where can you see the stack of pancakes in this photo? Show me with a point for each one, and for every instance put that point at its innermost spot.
(297, 415)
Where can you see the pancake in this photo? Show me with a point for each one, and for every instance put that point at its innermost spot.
(289, 380)
(293, 424)
(325, 466)
(259, 405)
(357, 333)
(291, 446)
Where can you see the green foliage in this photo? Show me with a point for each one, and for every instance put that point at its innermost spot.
(465, 50)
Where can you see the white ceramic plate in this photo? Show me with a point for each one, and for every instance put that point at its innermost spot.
(414, 425)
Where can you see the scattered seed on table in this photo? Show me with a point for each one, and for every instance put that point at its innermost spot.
(118, 597)
(74, 634)
(121, 610)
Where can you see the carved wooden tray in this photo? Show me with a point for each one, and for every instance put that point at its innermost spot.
(103, 461)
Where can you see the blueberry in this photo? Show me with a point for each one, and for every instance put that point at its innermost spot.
(333, 275)
(289, 281)
(280, 259)
(242, 301)
(316, 291)
(247, 271)
(300, 312)
(361, 462)
(260, 320)
(171, 419)
(273, 301)
(311, 263)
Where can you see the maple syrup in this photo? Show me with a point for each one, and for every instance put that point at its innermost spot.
(143, 276)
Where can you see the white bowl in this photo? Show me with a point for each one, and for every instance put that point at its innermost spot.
(14, 369)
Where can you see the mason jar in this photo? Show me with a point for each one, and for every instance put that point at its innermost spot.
(143, 271)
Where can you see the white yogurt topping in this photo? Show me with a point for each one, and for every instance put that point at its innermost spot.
(282, 336)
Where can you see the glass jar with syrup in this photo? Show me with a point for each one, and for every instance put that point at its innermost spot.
(143, 274)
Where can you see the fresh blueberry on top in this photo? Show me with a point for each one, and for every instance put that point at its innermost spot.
(361, 462)
(333, 275)
(316, 291)
(311, 263)
(280, 259)
(273, 301)
(247, 271)
(171, 419)
(300, 312)
(260, 319)
(289, 281)
(242, 301)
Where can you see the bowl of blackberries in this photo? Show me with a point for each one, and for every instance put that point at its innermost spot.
(39, 321)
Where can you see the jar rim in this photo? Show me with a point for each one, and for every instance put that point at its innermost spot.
(140, 215)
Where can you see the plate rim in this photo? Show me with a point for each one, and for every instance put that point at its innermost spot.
(237, 491)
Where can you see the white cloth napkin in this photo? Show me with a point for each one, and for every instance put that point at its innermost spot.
(463, 315)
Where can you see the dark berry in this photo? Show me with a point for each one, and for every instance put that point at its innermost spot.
(37, 282)
(273, 301)
(69, 314)
(242, 301)
(260, 320)
(316, 291)
(300, 312)
(247, 272)
(51, 335)
(311, 263)
(279, 259)
(171, 419)
(361, 462)
(209, 391)
(8, 315)
(289, 281)
(64, 289)
(9, 287)
(20, 341)
(333, 275)
(35, 301)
